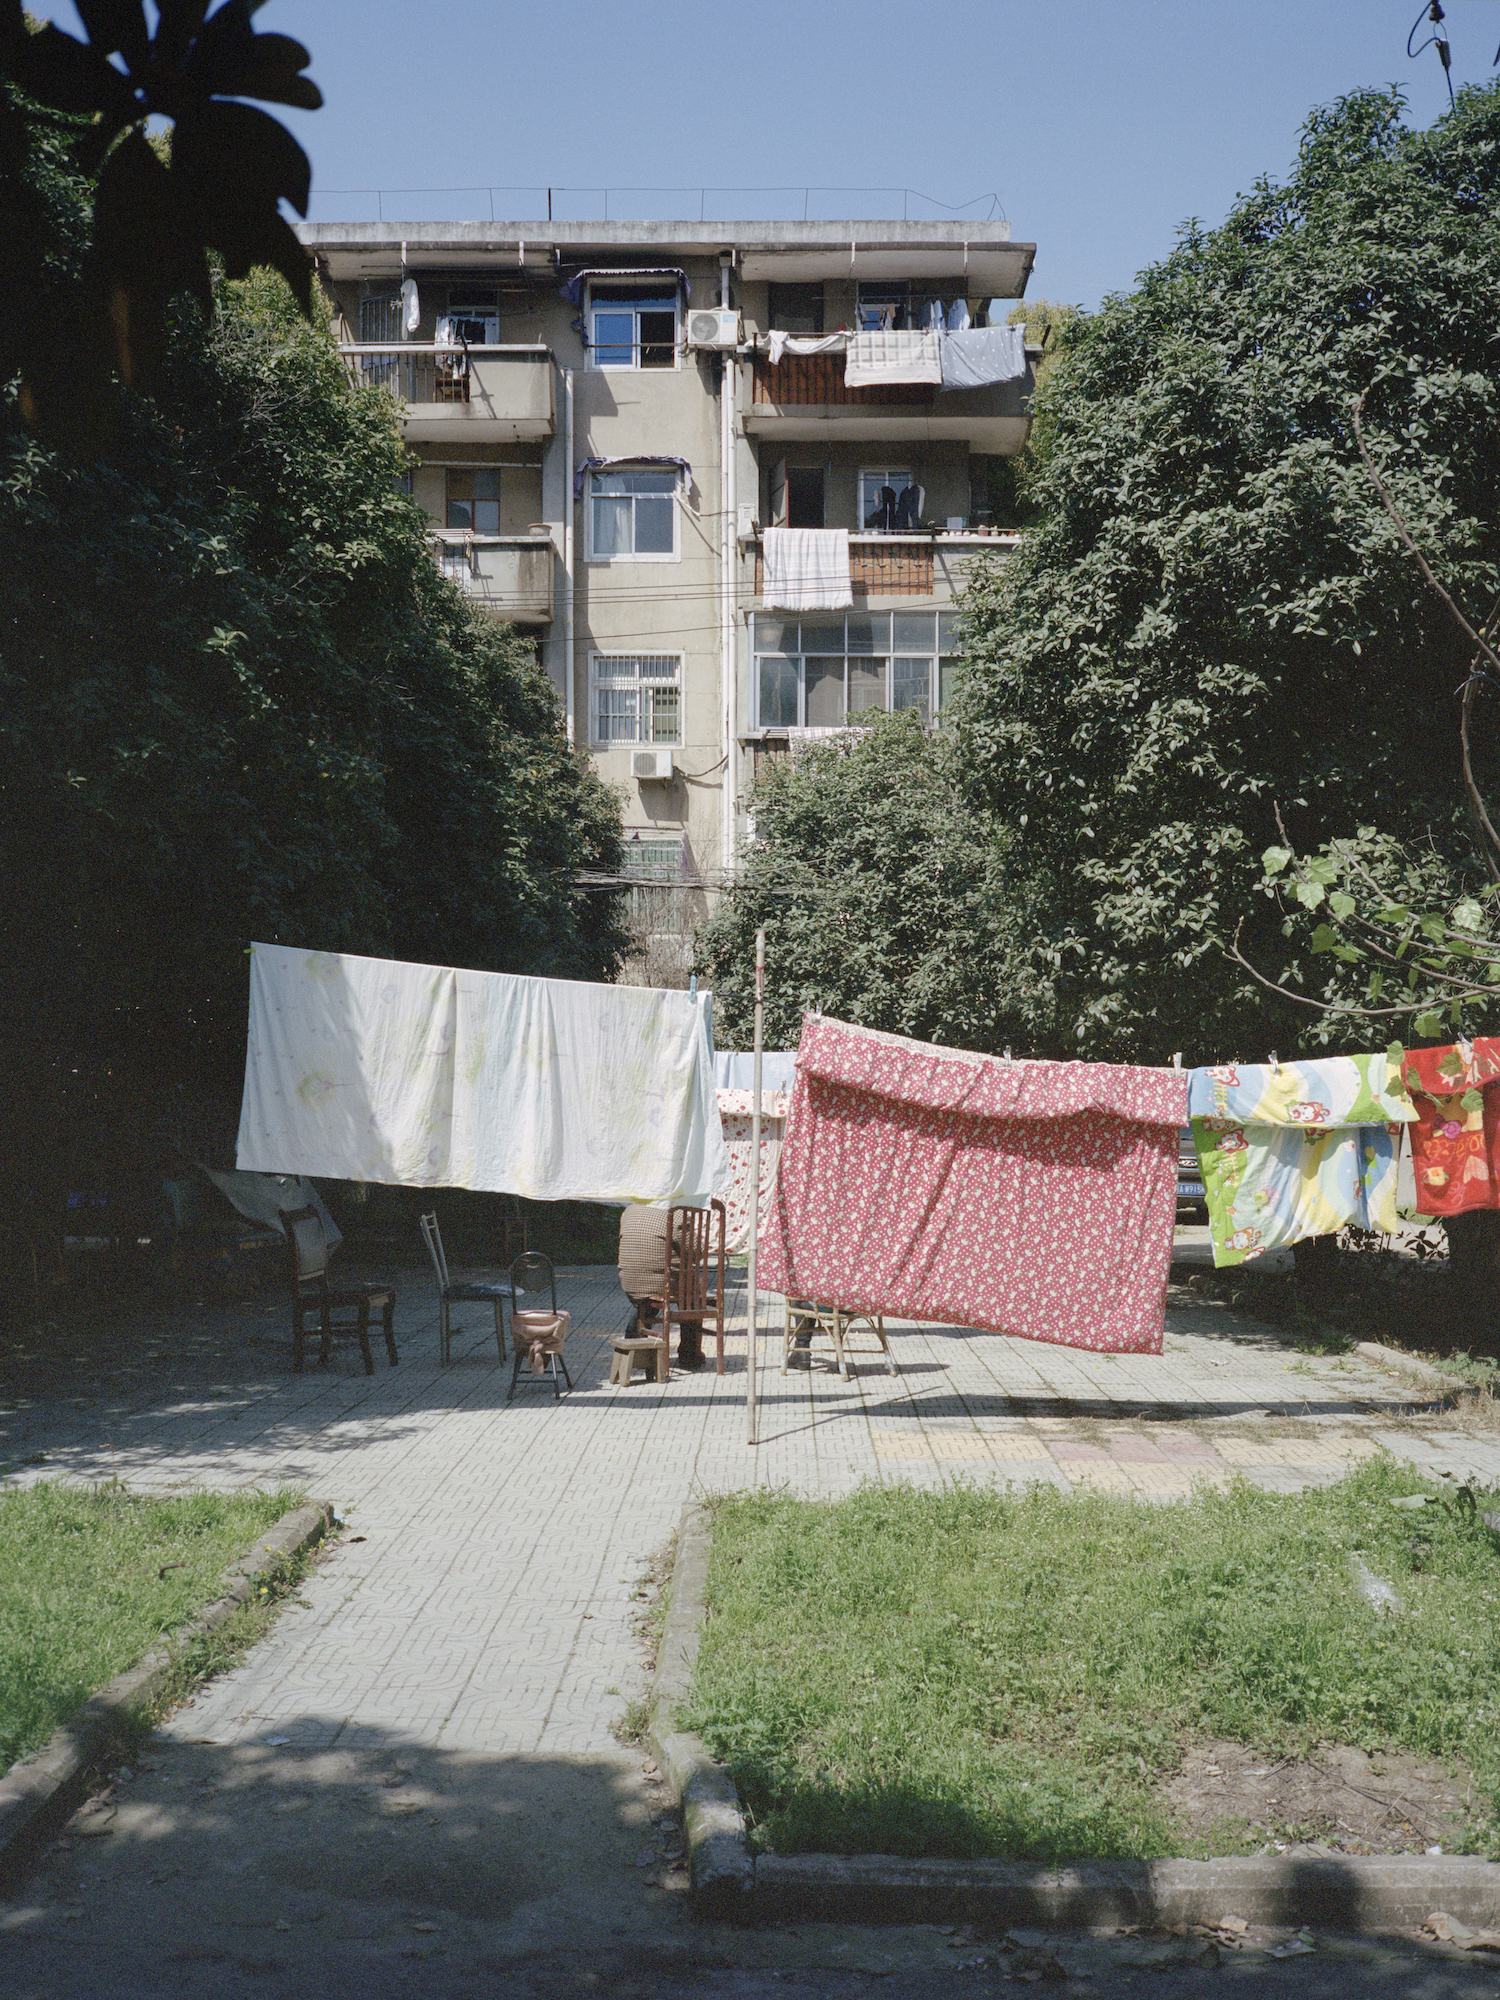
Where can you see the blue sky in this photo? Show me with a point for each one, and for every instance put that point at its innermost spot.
(1099, 124)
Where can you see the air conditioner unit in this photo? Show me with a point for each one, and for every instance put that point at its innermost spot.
(717, 327)
(651, 764)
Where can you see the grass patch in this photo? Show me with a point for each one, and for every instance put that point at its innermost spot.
(969, 1673)
(91, 1578)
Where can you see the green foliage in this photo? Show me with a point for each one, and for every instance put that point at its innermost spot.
(884, 898)
(237, 700)
(1213, 615)
(969, 1673)
(90, 1579)
(1395, 949)
(157, 213)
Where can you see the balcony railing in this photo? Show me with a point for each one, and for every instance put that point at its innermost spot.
(444, 387)
(510, 575)
(904, 565)
(819, 378)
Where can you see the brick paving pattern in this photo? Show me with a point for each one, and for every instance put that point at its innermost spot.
(487, 1608)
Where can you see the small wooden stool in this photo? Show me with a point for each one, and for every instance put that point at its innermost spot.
(649, 1349)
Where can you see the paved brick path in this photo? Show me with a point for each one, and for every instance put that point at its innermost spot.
(488, 1605)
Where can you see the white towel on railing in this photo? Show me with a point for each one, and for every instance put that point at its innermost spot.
(803, 343)
(874, 358)
(807, 569)
(983, 355)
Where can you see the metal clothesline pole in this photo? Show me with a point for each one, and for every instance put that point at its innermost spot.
(752, 1296)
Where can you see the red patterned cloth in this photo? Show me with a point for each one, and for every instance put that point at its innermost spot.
(1035, 1199)
(1455, 1143)
(736, 1108)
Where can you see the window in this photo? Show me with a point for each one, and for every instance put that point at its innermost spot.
(911, 306)
(819, 673)
(633, 328)
(796, 308)
(637, 698)
(654, 869)
(473, 320)
(889, 500)
(632, 514)
(804, 496)
(474, 500)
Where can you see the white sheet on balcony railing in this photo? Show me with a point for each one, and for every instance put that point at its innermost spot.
(983, 355)
(804, 343)
(373, 1069)
(807, 569)
(875, 358)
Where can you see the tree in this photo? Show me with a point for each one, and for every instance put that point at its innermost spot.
(158, 213)
(1013, 481)
(238, 701)
(884, 900)
(1214, 617)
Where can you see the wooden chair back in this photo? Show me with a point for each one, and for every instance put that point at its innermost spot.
(696, 1242)
(307, 1247)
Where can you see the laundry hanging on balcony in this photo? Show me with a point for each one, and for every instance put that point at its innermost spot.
(1455, 1141)
(876, 358)
(411, 309)
(372, 1069)
(1034, 1198)
(1297, 1149)
(806, 569)
(983, 355)
(803, 343)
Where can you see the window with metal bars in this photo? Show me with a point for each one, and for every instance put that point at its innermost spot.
(637, 698)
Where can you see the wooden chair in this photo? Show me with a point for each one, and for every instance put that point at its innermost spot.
(307, 1261)
(814, 1316)
(695, 1236)
(459, 1292)
(533, 1330)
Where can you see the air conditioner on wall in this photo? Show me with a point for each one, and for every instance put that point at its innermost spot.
(717, 326)
(651, 764)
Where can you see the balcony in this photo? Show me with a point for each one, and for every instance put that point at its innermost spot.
(499, 395)
(804, 400)
(509, 575)
(909, 565)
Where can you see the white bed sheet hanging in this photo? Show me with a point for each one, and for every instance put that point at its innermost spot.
(374, 1069)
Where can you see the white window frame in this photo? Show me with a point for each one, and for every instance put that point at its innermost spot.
(632, 555)
(883, 474)
(601, 300)
(637, 741)
(935, 660)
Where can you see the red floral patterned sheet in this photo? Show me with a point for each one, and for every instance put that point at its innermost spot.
(1035, 1199)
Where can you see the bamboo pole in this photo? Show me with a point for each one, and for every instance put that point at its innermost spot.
(752, 1296)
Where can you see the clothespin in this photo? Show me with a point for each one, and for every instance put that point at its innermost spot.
(692, 986)
(1275, 1065)
(1177, 1061)
(1008, 1063)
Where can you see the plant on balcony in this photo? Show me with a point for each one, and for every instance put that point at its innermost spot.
(1215, 619)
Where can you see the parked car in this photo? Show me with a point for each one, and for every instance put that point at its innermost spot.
(1192, 1196)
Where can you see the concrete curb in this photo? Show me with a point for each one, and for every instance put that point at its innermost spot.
(40, 1792)
(1421, 1372)
(1350, 1892)
(719, 1859)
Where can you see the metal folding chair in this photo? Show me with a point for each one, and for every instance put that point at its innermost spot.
(537, 1335)
(461, 1292)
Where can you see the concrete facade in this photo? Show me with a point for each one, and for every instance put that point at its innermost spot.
(501, 434)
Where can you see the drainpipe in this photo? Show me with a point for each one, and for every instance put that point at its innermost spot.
(727, 521)
(569, 509)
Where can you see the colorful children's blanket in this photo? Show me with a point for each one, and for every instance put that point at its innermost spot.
(1455, 1143)
(1296, 1149)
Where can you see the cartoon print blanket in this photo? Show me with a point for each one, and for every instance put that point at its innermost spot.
(1297, 1149)
(1455, 1143)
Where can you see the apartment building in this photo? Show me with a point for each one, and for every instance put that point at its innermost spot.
(607, 418)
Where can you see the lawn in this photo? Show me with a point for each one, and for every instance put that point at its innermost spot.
(970, 1673)
(90, 1578)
